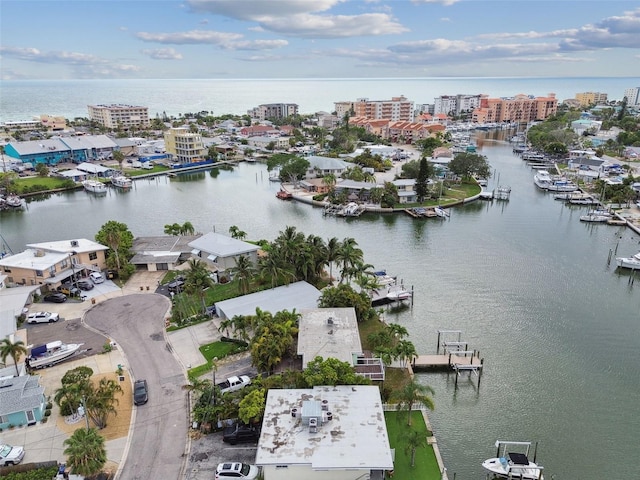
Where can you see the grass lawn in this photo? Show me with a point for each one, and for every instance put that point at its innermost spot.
(25, 185)
(134, 172)
(213, 350)
(426, 465)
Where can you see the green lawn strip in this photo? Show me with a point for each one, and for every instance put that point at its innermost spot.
(426, 465)
(30, 184)
(136, 172)
(213, 350)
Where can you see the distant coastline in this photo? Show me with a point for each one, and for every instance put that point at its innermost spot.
(23, 99)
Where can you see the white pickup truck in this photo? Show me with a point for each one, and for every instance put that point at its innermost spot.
(233, 384)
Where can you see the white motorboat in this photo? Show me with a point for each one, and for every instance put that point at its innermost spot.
(383, 279)
(51, 353)
(441, 212)
(629, 262)
(13, 201)
(503, 192)
(511, 464)
(542, 179)
(598, 216)
(94, 186)
(562, 185)
(398, 292)
(121, 181)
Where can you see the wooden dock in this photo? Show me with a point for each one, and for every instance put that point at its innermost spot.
(444, 361)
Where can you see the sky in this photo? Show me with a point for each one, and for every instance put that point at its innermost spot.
(227, 39)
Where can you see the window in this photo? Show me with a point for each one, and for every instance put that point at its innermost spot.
(93, 255)
(4, 419)
(39, 273)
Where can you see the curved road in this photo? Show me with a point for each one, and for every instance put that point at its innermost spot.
(158, 445)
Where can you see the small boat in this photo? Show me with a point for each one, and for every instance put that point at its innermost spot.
(284, 195)
(513, 465)
(569, 195)
(629, 262)
(397, 293)
(13, 201)
(597, 216)
(121, 181)
(542, 179)
(583, 200)
(51, 353)
(503, 192)
(383, 279)
(94, 186)
(441, 212)
(562, 185)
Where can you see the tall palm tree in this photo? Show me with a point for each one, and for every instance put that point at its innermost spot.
(271, 267)
(333, 246)
(187, 229)
(348, 256)
(86, 452)
(15, 350)
(197, 280)
(411, 394)
(414, 440)
(244, 272)
(405, 351)
(102, 402)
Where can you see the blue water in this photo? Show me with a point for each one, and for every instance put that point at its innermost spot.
(21, 100)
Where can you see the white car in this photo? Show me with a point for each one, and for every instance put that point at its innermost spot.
(42, 317)
(10, 455)
(236, 470)
(96, 277)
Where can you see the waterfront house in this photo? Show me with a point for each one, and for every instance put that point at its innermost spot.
(298, 295)
(406, 190)
(161, 253)
(22, 401)
(325, 432)
(322, 166)
(355, 190)
(220, 252)
(50, 263)
(333, 333)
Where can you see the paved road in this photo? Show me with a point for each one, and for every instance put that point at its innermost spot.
(159, 439)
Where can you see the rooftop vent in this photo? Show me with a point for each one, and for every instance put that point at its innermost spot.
(325, 405)
(294, 412)
(330, 321)
(313, 425)
(74, 243)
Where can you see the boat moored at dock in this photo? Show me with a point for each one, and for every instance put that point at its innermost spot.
(94, 186)
(511, 464)
(121, 181)
(632, 262)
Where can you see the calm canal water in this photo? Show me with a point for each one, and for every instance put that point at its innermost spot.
(525, 281)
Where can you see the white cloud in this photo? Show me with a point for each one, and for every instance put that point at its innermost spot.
(446, 3)
(193, 37)
(256, 45)
(257, 9)
(162, 54)
(299, 18)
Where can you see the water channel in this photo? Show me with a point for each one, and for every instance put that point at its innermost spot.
(526, 282)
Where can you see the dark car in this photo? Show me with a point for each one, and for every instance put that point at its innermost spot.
(140, 392)
(55, 297)
(176, 286)
(240, 433)
(84, 285)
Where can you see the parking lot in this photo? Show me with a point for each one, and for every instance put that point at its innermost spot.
(207, 451)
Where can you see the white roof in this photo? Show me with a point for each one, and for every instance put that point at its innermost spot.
(222, 245)
(79, 245)
(92, 168)
(329, 333)
(34, 259)
(355, 438)
(298, 295)
(40, 146)
(326, 163)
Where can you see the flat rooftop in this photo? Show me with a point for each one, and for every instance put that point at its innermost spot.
(354, 438)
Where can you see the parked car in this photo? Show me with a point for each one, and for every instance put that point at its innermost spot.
(236, 470)
(96, 277)
(176, 286)
(42, 317)
(140, 392)
(240, 433)
(69, 290)
(11, 455)
(84, 284)
(55, 297)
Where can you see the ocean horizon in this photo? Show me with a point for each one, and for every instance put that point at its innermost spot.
(25, 99)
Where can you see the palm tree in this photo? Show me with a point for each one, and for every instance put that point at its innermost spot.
(187, 229)
(271, 267)
(15, 350)
(333, 246)
(118, 156)
(86, 452)
(405, 351)
(243, 271)
(348, 256)
(102, 402)
(197, 280)
(411, 394)
(414, 440)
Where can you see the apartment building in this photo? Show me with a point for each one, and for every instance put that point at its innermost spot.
(455, 105)
(183, 146)
(273, 110)
(521, 109)
(633, 96)
(591, 98)
(342, 108)
(396, 109)
(119, 116)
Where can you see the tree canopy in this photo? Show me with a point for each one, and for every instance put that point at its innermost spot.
(119, 239)
(469, 164)
(292, 167)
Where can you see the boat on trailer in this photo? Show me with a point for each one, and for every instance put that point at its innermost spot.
(51, 353)
(512, 462)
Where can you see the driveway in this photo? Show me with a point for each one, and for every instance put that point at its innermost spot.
(158, 441)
